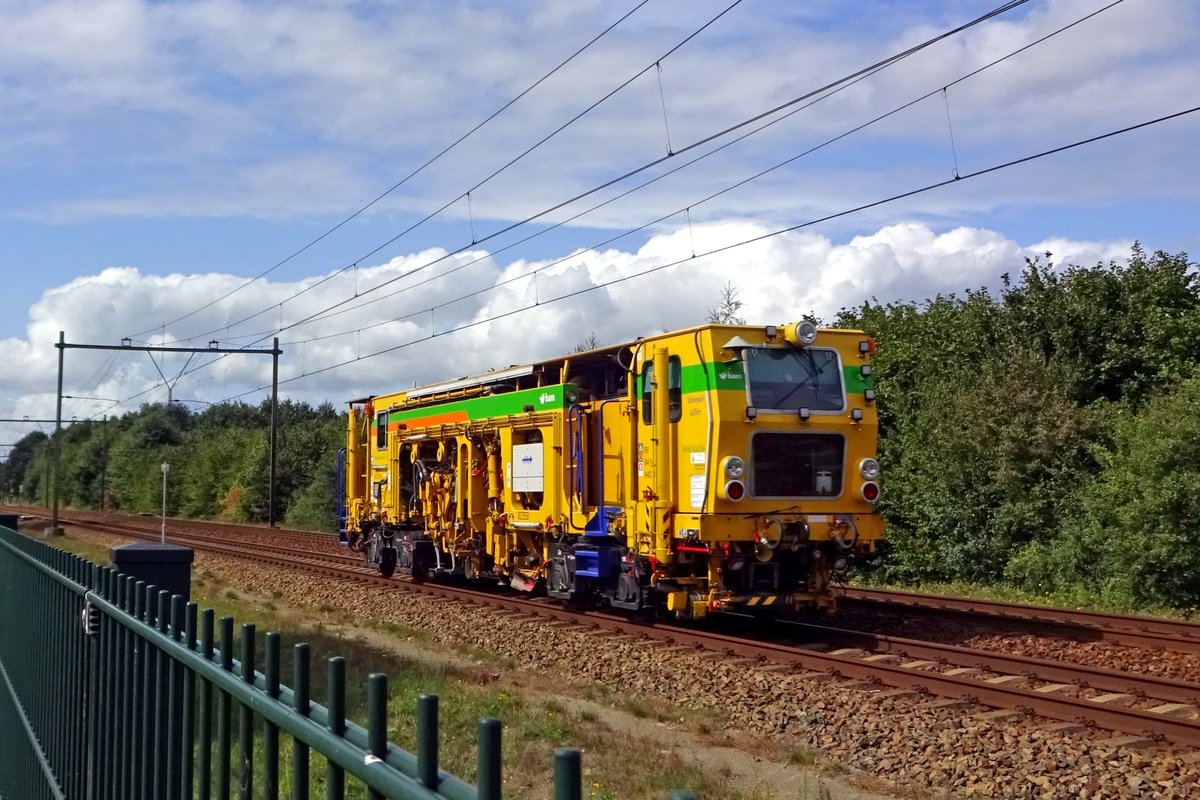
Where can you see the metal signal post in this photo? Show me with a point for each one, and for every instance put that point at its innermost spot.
(63, 345)
(163, 534)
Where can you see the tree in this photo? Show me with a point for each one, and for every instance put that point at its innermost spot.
(1001, 417)
(18, 468)
(1122, 330)
(726, 312)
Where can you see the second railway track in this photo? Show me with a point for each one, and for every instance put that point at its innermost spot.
(1136, 631)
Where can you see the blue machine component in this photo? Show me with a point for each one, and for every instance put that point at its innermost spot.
(339, 491)
(597, 562)
(598, 524)
(575, 426)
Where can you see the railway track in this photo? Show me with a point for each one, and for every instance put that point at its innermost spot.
(1078, 696)
(1077, 624)
(1135, 631)
(1132, 630)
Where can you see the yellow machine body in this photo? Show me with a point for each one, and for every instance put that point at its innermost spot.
(716, 468)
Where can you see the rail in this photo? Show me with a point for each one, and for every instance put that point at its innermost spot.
(1135, 631)
(111, 688)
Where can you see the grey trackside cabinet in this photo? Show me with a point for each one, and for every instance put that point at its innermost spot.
(167, 566)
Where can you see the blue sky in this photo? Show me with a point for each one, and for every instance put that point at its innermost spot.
(155, 156)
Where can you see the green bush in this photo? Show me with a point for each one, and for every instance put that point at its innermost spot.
(1135, 540)
(1002, 420)
(313, 507)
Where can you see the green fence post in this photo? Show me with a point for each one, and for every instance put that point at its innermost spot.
(224, 722)
(270, 731)
(162, 697)
(92, 643)
(336, 703)
(188, 745)
(46, 680)
(568, 775)
(107, 757)
(377, 722)
(112, 636)
(246, 717)
(427, 740)
(489, 774)
(66, 750)
(25, 670)
(129, 669)
(175, 707)
(137, 695)
(39, 679)
(75, 712)
(205, 730)
(149, 660)
(301, 702)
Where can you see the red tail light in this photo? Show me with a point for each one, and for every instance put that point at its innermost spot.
(870, 491)
(735, 490)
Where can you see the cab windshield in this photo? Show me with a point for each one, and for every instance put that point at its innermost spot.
(788, 379)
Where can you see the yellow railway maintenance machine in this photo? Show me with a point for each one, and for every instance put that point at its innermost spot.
(723, 467)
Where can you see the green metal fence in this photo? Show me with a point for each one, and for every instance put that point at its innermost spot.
(114, 690)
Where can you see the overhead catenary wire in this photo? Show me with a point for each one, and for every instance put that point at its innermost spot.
(869, 205)
(708, 139)
(676, 212)
(96, 378)
(495, 173)
(430, 311)
(951, 83)
(427, 163)
(752, 240)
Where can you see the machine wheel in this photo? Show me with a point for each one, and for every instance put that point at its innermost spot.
(628, 589)
(387, 562)
(470, 568)
(557, 578)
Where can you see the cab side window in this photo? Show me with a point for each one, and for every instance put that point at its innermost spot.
(381, 430)
(674, 391)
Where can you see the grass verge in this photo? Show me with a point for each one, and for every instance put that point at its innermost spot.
(618, 763)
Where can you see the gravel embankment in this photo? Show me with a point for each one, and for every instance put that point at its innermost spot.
(917, 748)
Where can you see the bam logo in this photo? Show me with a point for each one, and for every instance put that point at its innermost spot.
(546, 397)
(728, 376)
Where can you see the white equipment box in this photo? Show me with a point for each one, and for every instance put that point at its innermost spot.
(527, 467)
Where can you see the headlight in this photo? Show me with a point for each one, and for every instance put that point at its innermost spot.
(800, 334)
(869, 469)
(806, 332)
(734, 467)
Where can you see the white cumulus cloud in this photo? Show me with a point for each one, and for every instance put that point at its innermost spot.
(443, 316)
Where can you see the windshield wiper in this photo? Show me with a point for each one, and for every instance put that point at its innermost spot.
(813, 377)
